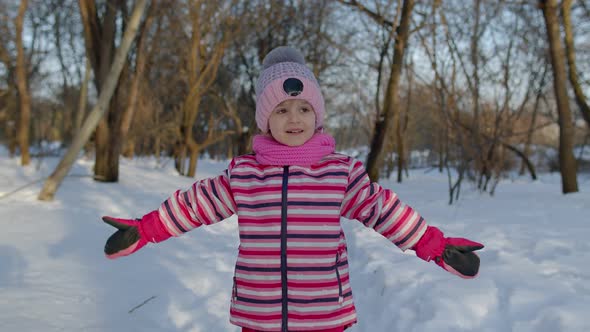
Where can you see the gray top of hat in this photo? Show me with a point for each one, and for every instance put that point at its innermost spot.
(282, 54)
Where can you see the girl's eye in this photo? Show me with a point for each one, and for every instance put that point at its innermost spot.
(305, 110)
(281, 111)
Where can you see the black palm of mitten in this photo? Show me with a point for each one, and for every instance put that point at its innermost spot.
(126, 240)
(455, 255)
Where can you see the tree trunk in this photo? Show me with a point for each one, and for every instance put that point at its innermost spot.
(529, 137)
(99, 38)
(401, 155)
(384, 123)
(110, 158)
(106, 165)
(567, 162)
(571, 60)
(194, 157)
(157, 142)
(140, 64)
(441, 149)
(230, 151)
(245, 136)
(82, 102)
(474, 55)
(402, 128)
(129, 148)
(525, 160)
(10, 131)
(23, 89)
(183, 147)
(110, 83)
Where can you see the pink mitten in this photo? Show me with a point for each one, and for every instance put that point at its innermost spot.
(133, 234)
(455, 255)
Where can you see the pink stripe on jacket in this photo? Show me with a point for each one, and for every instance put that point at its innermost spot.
(292, 265)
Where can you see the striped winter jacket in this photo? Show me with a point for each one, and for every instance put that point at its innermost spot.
(292, 268)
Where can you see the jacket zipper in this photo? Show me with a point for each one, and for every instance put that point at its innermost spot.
(340, 297)
(235, 289)
(285, 304)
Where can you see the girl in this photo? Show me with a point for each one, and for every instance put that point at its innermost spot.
(292, 267)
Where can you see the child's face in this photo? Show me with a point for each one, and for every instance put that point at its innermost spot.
(292, 122)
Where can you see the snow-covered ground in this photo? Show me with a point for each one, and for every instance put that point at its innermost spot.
(535, 273)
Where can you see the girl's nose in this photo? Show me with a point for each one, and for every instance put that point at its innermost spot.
(293, 117)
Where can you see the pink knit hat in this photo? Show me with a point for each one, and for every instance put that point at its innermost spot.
(285, 76)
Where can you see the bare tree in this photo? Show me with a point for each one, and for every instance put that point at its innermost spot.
(390, 117)
(567, 161)
(23, 88)
(99, 40)
(455, 95)
(141, 58)
(110, 83)
(529, 135)
(202, 64)
(9, 94)
(385, 123)
(452, 153)
(571, 61)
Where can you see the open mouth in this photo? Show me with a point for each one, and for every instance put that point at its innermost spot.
(295, 131)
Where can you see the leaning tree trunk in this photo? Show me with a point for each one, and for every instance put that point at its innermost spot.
(24, 97)
(567, 162)
(99, 39)
(108, 88)
(383, 125)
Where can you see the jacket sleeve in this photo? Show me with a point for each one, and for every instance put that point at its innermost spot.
(381, 209)
(206, 202)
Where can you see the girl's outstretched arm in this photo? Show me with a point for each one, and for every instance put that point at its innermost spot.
(206, 202)
(382, 210)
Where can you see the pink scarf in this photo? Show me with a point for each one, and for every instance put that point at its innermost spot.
(270, 152)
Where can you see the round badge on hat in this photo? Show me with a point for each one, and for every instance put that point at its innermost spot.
(293, 87)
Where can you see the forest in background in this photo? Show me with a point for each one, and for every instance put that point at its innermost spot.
(486, 87)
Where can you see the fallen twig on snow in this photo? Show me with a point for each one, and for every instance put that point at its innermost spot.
(140, 305)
